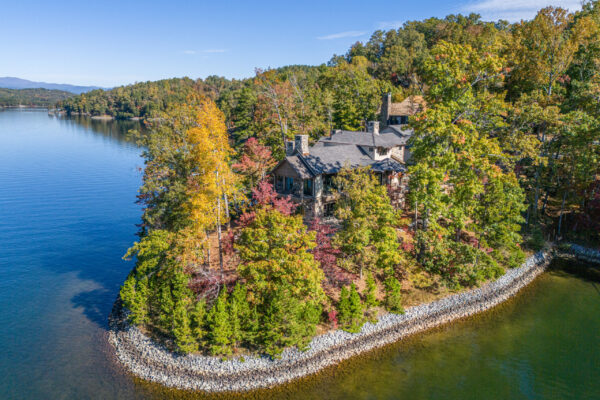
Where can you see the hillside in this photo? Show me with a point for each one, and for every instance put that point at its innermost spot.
(8, 82)
(31, 97)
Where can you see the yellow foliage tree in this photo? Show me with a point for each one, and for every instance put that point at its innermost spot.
(212, 182)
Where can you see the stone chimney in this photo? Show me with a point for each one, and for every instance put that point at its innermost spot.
(386, 109)
(301, 144)
(373, 127)
(289, 147)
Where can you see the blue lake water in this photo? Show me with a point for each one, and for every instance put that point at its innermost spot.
(68, 214)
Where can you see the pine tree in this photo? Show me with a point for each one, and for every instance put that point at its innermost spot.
(357, 317)
(219, 326)
(182, 331)
(371, 294)
(393, 295)
(343, 307)
(198, 320)
(135, 298)
(239, 310)
(167, 306)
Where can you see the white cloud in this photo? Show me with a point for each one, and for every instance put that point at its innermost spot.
(515, 10)
(189, 52)
(342, 35)
(386, 25)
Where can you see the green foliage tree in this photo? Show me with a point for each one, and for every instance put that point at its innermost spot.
(219, 326)
(368, 233)
(393, 295)
(183, 334)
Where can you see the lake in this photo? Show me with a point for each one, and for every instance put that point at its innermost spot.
(68, 214)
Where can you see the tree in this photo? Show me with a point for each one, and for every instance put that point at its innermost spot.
(286, 321)
(371, 292)
(393, 295)
(182, 331)
(239, 313)
(356, 94)
(459, 165)
(254, 164)
(357, 317)
(275, 250)
(150, 253)
(219, 326)
(543, 48)
(367, 235)
(198, 320)
(212, 182)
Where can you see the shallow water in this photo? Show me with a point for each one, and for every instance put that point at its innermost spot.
(67, 215)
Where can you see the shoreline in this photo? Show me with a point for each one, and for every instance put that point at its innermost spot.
(151, 361)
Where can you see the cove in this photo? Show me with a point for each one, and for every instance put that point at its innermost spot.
(67, 215)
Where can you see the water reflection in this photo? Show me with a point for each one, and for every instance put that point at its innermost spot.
(118, 130)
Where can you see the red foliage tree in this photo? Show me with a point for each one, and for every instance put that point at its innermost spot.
(255, 162)
(326, 254)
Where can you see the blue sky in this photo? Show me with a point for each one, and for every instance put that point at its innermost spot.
(110, 43)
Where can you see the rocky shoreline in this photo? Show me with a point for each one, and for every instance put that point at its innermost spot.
(151, 361)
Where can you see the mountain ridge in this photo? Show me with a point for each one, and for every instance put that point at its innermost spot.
(9, 82)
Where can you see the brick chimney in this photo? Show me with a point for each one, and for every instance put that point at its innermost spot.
(301, 144)
(373, 127)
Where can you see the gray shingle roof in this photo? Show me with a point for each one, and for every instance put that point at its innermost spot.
(389, 137)
(343, 148)
(328, 159)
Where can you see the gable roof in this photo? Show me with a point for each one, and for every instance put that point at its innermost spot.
(330, 158)
(386, 138)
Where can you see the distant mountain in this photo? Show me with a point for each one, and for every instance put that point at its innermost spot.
(18, 83)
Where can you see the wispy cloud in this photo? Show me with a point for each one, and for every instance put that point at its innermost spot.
(515, 10)
(189, 52)
(342, 35)
(385, 25)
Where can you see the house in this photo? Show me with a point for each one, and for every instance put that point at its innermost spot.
(307, 172)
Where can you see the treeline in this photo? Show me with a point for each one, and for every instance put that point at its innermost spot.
(32, 97)
(506, 155)
(142, 100)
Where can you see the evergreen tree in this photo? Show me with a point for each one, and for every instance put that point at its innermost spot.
(219, 337)
(393, 295)
(371, 292)
(182, 330)
(198, 321)
(239, 311)
(357, 317)
(135, 298)
(343, 307)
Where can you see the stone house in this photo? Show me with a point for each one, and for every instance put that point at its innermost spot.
(307, 172)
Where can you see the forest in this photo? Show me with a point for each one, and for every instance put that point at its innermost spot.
(505, 158)
(31, 97)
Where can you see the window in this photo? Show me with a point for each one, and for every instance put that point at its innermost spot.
(328, 185)
(329, 209)
(308, 187)
(289, 184)
(279, 183)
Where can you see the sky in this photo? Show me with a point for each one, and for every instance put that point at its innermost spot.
(110, 43)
